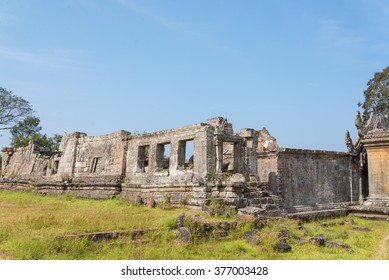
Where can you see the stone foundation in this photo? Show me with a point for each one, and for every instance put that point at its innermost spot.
(204, 162)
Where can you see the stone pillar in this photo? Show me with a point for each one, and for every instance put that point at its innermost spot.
(250, 153)
(219, 155)
(253, 157)
(152, 157)
(238, 157)
(176, 149)
(361, 198)
(360, 180)
(377, 148)
(204, 152)
(350, 166)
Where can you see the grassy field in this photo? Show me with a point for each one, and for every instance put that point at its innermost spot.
(36, 227)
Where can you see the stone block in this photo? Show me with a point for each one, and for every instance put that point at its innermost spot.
(236, 180)
(282, 247)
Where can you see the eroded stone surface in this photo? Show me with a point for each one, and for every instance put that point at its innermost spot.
(252, 237)
(319, 240)
(282, 247)
(195, 164)
(180, 220)
(184, 235)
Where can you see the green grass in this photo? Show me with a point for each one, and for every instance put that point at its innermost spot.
(33, 227)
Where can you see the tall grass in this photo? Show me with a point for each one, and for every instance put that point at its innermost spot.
(34, 227)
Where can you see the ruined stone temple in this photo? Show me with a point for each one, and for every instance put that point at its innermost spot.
(196, 164)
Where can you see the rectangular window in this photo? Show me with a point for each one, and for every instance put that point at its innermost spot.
(96, 162)
(143, 158)
(55, 167)
(163, 156)
(229, 150)
(185, 155)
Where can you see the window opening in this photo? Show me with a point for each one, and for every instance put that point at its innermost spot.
(163, 156)
(143, 158)
(94, 166)
(55, 167)
(185, 154)
(228, 157)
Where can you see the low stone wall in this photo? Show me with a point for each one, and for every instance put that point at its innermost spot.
(13, 185)
(316, 179)
(178, 195)
(97, 191)
(309, 179)
(233, 191)
(191, 195)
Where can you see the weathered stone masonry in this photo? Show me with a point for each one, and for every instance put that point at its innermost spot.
(371, 148)
(310, 180)
(207, 161)
(138, 165)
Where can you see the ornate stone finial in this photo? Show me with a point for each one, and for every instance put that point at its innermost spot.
(359, 124)
(349, 143)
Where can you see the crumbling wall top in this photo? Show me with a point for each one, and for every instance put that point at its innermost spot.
(266, 142)
(248, 133)
(221, 124)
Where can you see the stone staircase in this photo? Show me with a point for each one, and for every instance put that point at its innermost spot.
(261, 200)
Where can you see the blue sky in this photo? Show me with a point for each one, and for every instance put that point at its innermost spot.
(297, 68)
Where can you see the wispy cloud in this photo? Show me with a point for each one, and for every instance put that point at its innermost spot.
(21, 56)
(381, 9)
(55, 58)
(191, 31)
(169, 23)
(335, 35)
(380, 6)
(4, 17)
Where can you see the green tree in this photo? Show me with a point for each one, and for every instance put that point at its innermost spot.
(377, 95)
(29, 129)
(55, 141)
(25, 131)
(12, 109)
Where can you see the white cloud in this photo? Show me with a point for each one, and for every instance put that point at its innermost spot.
(169, 23)
(6, 18)
(335, 35)
(191, 31)
(381, 7)
(49, 58)
(21, 56)
(3, 17)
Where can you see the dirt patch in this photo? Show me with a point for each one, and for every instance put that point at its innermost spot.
(383, 249)
(4, 256)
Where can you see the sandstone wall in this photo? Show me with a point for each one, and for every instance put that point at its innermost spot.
(93, 156)
(378, 162)
(190, 165)
(307, 179)
(377, 147)
(24, 162)
(316, 179)
(268, 170)
(162, 164)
